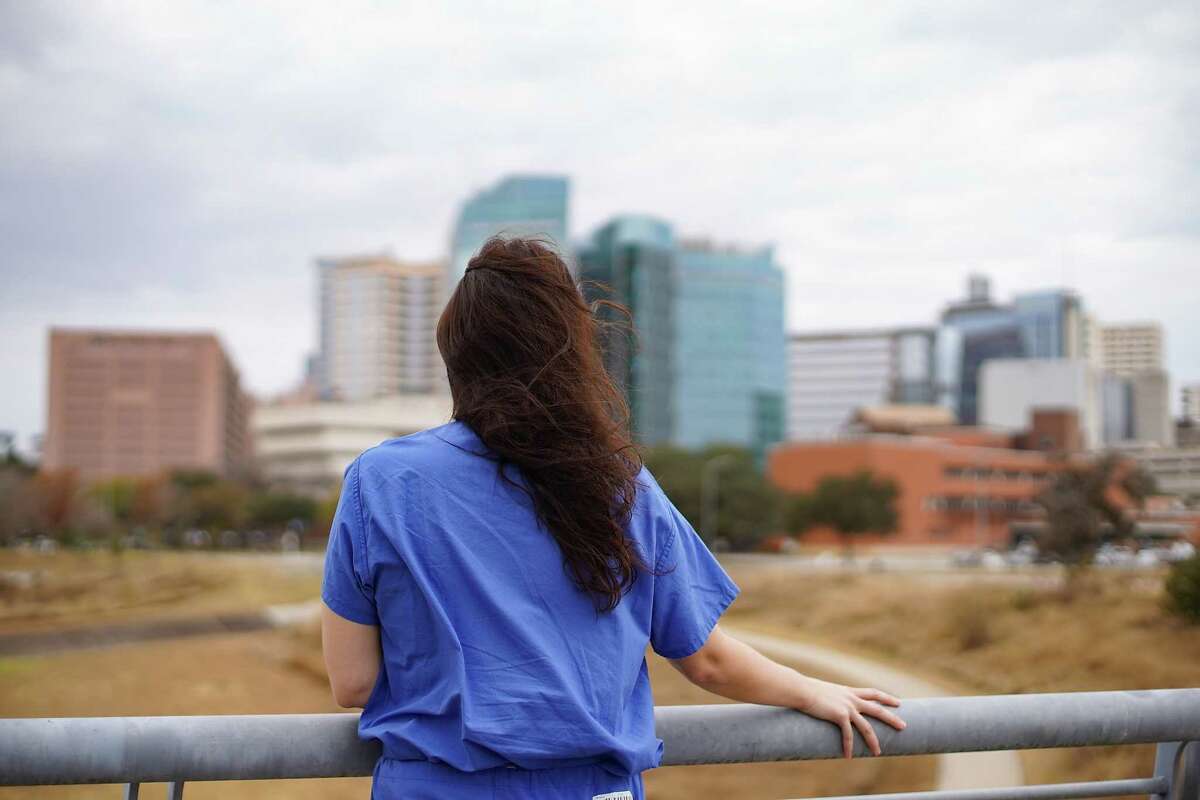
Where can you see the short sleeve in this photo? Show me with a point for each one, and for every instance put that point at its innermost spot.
(345, 587)
(691, 589)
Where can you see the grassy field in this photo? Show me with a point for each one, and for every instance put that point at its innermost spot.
(74, 589)
(1109, 633)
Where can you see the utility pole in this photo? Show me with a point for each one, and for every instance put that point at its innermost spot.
(709, 475)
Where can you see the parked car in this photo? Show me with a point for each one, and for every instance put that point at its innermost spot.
(1180, 551)
(1149, 557)
(966, 558)
(1023, 554)
(1114, 555)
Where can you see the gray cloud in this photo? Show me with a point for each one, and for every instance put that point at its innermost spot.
(181, 165)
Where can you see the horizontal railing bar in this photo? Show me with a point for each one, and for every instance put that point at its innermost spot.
(161, 749)
(722, 734)
(1044, 791)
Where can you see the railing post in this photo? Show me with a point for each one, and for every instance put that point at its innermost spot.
(1185, 775)
(131, 791)
(1164, 766)
(175, 790)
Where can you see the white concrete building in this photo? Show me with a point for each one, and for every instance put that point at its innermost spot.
(377, 323)
(307, 446)
(1011, 388)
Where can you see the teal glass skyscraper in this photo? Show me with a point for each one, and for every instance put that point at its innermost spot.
(519, 205)
(731, 348)
(634, 257)
(709, 363)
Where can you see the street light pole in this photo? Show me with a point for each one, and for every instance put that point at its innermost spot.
(708, 494)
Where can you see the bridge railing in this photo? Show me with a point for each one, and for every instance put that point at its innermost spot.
(172, 750)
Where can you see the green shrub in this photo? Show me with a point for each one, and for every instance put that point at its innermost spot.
(1183, 589)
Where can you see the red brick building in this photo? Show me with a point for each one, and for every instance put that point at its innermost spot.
(950, 493)
(124, 403)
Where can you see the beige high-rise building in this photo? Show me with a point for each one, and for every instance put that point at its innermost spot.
(378, 317)
(1131, 347)
(1191, 402)
(134, 403)
(1152, 407)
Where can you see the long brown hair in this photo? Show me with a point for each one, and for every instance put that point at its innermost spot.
(522, 353)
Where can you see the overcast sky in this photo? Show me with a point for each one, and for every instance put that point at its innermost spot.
(179, 165)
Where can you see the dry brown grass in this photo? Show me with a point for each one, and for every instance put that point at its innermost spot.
(227, 674)
(1109, 633)
(76, 589)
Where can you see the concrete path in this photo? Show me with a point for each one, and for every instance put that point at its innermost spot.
(955, 770)
(63, 640)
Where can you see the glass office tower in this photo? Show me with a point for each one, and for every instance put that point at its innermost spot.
(519, 205)
(731, 348)
(709, 362)
(634, 257)
(1046, 324)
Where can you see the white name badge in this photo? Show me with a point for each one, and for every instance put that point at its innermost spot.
(626, 795)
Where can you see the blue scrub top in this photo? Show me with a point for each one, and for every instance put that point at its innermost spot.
(492, 656)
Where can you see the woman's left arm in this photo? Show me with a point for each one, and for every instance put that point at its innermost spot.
(352, 658)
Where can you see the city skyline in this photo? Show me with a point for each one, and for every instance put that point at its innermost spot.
(886, 158)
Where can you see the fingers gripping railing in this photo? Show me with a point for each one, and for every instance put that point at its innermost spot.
(134, 750)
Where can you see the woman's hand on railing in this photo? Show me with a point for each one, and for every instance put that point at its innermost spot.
(734, 669)
(849, 708)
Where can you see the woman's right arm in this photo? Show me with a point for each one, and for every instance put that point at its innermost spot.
(733, 669)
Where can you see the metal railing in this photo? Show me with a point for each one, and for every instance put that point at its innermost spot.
(135, 750)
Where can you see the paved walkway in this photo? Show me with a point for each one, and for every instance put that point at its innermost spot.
(955, 770)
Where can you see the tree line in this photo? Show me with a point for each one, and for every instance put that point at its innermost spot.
(1087, 503)
(157, 510)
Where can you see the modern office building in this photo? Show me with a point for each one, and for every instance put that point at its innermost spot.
(1131, 347)
(632, 260)
(731, 348)
(305, 447)
(377, 321)
(1044, 324)
(832, 374)
(1190, 400)
(708, 362)
(137, 403)
(1011, 389)
(519, 205)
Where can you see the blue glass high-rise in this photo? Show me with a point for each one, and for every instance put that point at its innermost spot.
(1044, 324)
(631, 260)
(709, 364)
(731, 348)
(519, 205)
